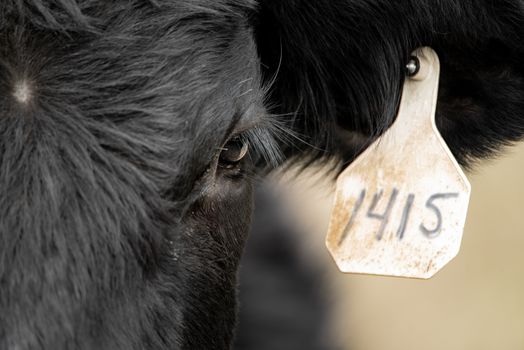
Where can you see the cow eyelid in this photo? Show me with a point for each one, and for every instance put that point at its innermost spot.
(261, 143)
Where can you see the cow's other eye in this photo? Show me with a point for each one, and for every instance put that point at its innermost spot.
(233, 152)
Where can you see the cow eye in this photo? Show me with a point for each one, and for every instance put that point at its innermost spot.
(233, 151)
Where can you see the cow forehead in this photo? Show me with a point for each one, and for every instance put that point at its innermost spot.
(174, 72)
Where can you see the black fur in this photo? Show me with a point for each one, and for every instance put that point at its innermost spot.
(119, 228)
(343, 62)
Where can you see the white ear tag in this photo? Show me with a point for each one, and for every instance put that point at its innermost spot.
(400, 207)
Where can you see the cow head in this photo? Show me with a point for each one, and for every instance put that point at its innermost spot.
(131, 133)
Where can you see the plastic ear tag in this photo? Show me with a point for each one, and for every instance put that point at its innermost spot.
(400, 207)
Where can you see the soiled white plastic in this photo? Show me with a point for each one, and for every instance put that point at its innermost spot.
(400, 207)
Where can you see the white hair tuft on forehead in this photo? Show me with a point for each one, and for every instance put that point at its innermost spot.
(22, 91)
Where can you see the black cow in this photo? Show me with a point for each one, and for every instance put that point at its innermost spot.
(131, 132)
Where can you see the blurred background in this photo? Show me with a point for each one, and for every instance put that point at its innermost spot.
(476, 302)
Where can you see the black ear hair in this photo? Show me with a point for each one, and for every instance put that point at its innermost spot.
(336, 68)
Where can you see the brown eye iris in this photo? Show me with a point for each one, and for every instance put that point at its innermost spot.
(233, 151)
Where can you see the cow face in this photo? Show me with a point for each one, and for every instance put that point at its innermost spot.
(131, 132)
(129, 136)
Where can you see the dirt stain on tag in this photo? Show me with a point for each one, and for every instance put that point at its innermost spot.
(400, 207)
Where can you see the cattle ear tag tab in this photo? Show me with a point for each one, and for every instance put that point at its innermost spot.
(400, 207)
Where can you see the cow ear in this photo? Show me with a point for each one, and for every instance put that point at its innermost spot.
(334, 70)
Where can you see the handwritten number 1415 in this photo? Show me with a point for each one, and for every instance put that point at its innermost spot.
(384, 217)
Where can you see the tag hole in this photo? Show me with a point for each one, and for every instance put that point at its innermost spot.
(413, 66)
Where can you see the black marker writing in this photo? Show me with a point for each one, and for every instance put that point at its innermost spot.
(406, 212)
(405, 216)
(385, 216)
(356, 208)
(429, 204)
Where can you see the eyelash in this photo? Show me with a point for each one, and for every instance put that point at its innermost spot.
(263, 148)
